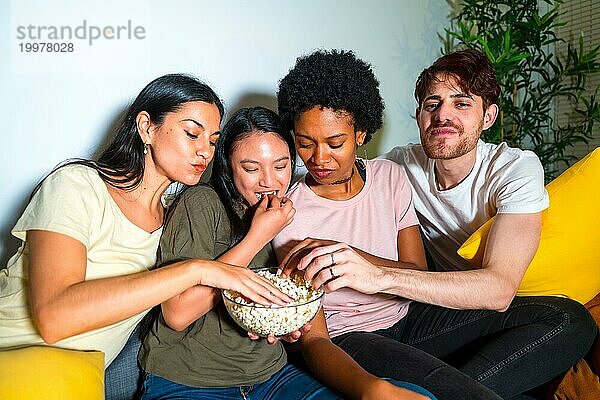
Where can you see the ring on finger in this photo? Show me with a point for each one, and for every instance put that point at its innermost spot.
(333, 275)
(332, 259)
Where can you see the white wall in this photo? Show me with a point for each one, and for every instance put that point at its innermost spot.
(60, 105)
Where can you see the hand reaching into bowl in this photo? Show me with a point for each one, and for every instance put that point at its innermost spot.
(247, 283)
(332, 265)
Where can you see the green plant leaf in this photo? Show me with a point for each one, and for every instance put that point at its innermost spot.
(519, 42)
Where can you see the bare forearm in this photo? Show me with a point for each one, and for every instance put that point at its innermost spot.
(411, 254)
(242, 253)
(89, 305)
(475, 289)
(336, 369)
(384, 262)
(511, 245)
(181, 310)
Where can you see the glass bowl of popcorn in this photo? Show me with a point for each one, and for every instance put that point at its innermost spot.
(275, 319)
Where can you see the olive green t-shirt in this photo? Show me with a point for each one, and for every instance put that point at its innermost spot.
(213, 351)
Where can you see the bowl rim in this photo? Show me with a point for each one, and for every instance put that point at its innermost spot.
(225, 296)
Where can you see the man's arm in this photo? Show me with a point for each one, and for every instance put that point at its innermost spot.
(511, 245)
(334, 265)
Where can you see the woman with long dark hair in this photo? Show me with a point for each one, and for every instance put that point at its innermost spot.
(82, 278)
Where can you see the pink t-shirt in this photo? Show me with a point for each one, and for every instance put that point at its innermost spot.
(369, 221)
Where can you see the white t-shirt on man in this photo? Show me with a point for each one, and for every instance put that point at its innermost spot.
(504, 180)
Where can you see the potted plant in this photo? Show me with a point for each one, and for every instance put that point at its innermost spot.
(520, 42)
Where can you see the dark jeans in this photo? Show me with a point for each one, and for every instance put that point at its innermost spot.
(511, 352)
(389, 358)
(288, 383)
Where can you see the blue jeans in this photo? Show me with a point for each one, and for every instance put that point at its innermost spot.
(289, 383)
(511, 352)
(122, 377)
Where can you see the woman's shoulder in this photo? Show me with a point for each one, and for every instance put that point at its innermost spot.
(385, 168)
(70, 200)
(74, 172)
(73, 180)
(296, 189)
(200, 191)
(200, 198)
(381, 163)
(387, 178)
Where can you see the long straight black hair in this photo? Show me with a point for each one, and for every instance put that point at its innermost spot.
(121, 164)
(242, 124)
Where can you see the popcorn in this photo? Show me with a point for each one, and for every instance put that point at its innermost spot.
(275, 319)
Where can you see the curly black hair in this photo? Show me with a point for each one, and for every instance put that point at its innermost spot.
(334, 79)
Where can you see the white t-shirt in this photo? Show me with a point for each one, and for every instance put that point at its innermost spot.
(504, 180)
(74, 201)
(369, 221)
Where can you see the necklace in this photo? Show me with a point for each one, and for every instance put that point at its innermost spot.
(345, 179)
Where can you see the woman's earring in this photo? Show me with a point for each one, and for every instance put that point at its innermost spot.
(364, 150)
(145, 148)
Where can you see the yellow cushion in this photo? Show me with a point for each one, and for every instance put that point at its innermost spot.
(42, 372)
(567, 262)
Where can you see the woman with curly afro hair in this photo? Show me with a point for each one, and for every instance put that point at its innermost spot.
(351, 210)
(336, 80)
